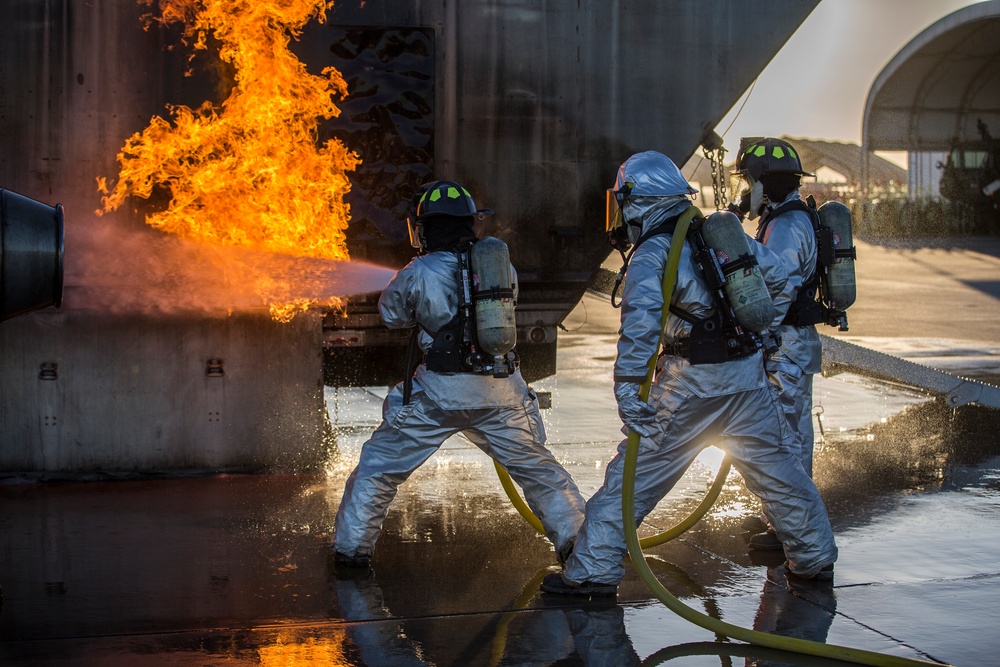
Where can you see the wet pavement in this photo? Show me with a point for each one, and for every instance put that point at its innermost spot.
(233, 570)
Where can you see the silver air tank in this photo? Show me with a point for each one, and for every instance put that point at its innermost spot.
(744, 285)
(493, 297)
(837, 255)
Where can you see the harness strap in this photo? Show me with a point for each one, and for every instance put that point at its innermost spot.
(493, 293)
(805, 310)
(667, 227)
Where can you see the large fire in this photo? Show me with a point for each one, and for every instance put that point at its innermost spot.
(247, 173)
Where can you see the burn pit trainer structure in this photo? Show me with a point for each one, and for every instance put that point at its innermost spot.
(531, 106)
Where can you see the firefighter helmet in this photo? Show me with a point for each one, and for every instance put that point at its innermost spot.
(447, 198)
(439, 199)
(765, 155)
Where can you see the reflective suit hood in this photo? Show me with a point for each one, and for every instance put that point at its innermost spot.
(651, 189)
(645, 214)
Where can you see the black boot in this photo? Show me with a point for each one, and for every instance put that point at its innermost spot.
(766, 541)
(554, 583)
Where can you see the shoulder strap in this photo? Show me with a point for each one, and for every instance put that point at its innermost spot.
(794, 205)
(669, 280)
(667, 227)
(803, 311)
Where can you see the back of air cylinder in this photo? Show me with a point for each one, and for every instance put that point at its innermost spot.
(837, 255)
(493, 297)
(744, 285)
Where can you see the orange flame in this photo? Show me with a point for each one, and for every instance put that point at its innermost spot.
(289, 648)
(249, 173)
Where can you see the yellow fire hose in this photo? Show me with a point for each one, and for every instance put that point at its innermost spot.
(635, 545)
(713, 491)
(646, 542)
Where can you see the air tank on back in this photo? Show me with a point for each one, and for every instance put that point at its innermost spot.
(493, 296)
(744, 285)
(837, 255)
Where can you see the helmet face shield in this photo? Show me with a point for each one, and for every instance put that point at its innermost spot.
(620, 232)
(740, 182)
(612, 212)
(416, 229)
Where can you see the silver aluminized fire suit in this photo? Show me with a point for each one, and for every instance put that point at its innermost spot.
(696, 406)
(791, 237)
(499, 415)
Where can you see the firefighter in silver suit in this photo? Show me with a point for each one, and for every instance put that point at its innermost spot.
(690, 406)
(770, 170)
(500, 415)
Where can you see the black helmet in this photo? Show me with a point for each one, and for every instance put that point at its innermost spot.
(447, 198)
(765, 155)
(441, 199)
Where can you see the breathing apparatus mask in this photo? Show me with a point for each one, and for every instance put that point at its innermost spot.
(647, 175)
(622, 233)
(767, 171)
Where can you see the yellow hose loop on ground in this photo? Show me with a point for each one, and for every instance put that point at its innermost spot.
(721, 627)
(515, 498)
(647, 542)
(696, 516)
(639, 560)
(732, 650)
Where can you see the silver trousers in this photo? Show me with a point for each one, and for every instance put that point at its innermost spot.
(410, 434)
(752, 432)
(796, 400)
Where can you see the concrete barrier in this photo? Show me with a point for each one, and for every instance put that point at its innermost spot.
(89, 394)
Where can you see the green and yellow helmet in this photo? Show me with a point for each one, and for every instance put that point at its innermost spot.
(439, 199)
(447, 198)
(766, 155)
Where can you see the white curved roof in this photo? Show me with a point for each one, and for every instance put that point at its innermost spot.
(938, 85)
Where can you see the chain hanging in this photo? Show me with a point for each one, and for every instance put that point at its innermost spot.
(720, 184)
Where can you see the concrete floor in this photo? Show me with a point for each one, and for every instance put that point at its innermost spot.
(232, 570)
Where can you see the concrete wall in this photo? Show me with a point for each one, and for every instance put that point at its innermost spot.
(84, 393)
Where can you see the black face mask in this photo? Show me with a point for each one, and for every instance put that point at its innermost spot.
(744, 206)
(618, 235)
(618, 238)
(443, 232)
(778, 186)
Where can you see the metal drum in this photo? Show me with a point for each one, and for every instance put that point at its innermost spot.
(31, 255)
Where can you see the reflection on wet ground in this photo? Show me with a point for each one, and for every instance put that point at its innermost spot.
(233, 570)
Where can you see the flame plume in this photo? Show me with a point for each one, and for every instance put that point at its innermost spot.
(248, 173)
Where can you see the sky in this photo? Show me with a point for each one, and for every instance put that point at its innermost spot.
(817, 84)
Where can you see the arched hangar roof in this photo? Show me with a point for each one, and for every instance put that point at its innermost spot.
(938, 85)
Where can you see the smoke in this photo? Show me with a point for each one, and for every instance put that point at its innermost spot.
(120, 270)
